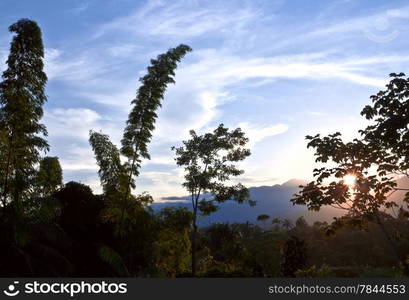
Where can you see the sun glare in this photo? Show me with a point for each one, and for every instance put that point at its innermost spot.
(349, 179)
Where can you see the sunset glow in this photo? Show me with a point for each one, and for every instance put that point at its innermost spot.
(349, 179)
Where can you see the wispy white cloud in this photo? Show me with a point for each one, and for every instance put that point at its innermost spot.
(178, 19)
(316, 113)
(256, 132)
(79, 159)
(124, 50)
(201, 89)
(72, 125)
(58, 67)
(167, 183)
(232, 69)
(401, 12)
(80, 7)
(202, 86)
(381, 27)
(71, 122)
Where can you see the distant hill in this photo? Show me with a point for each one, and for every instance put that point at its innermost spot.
(272, 200)
(328, 213)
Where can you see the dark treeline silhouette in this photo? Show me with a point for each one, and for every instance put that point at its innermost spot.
(48, 228)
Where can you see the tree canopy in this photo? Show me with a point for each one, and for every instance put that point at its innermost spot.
(207, 160)
(49, 177)
(22, 94)
(374, 160)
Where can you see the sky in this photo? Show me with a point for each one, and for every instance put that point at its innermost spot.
(280, 70)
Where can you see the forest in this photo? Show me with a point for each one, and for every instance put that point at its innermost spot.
(49, 228)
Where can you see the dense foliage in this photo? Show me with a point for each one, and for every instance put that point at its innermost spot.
(207, 160)
(22, 94)
(375, 160)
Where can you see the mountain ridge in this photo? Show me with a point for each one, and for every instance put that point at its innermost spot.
(272, 200)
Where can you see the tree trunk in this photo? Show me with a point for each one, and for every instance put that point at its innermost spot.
(194, 236)
(5, 191)
(128, 192)
(195, 201)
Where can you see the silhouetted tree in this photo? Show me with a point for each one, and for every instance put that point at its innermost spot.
(142, 118)
(388, 135)
(294, 257)
(287, 224)
(22, 94)
(171, 248)
(111, 171)
(113, 179)
(90, 244)
(301, 223)
(117, 178)
(263, 218)
(383, 148)
(206, 160)
(49, 176)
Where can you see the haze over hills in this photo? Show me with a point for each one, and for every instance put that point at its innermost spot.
(272, 200)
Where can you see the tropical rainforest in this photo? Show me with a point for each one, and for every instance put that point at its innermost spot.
(54, 229)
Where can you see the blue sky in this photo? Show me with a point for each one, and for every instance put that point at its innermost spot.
(278, 69)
